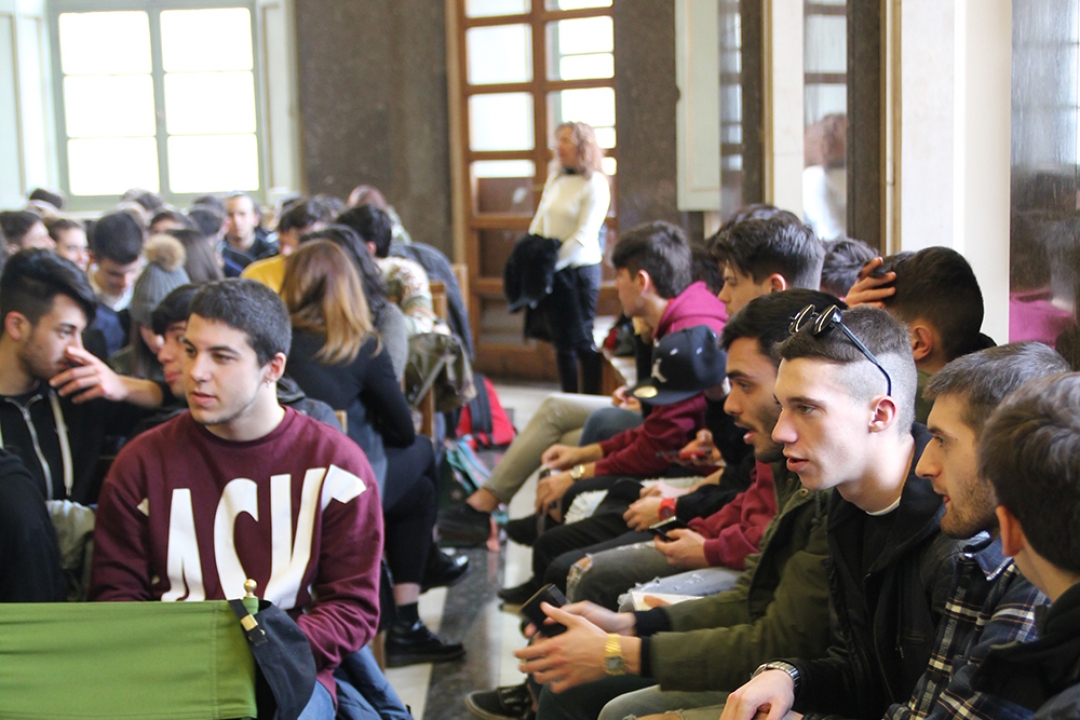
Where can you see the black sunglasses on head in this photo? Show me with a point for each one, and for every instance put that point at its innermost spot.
(817, 323)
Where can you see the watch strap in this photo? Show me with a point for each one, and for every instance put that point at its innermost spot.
(791, 670)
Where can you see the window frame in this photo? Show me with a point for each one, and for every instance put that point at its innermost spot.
(153, 8)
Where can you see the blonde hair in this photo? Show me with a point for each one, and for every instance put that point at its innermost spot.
(323, 294)
(589, 155)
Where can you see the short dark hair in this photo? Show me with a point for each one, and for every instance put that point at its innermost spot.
(207, 218)
(16, 223)
(151, 201)
(32, 279)
(53, 197)
(236, 194)
(59, 224)
(882, 335)
(767, 318)
(371, 278)
(660, 249)
(250, 307)
(936, 284)
(211, 201)
(779, 244)
(372, 224)
(304, 214)
(117, 237)
(756, 211)
(844, 259)
(173, 214)
(1029, 451)
(984, 378)
(173, 308)
(703, 268)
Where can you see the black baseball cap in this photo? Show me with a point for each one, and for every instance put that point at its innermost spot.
(685, 363)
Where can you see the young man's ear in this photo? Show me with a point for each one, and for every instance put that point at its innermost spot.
(884, 414)
(1013, 541)
(777, 283)
(274, 369)
(643, 281)
(923, 341)
(17, 326)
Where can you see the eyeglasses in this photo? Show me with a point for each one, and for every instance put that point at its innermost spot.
(818, 323)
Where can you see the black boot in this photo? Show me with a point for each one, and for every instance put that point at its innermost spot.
(442, 570)
(414, 644)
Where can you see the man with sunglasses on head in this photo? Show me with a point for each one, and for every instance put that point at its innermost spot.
(846, 385)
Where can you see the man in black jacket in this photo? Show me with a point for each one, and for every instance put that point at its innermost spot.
(29, 556)
(847, 386)
(1029, 452)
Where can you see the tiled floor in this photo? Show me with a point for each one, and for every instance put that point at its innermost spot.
(469, 611)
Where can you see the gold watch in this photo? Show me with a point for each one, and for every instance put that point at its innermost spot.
(577, 472)
(613, 662)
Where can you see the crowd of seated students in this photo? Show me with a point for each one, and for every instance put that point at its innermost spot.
(212, 387)
(875, 508)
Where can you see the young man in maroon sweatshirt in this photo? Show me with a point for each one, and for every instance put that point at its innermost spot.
(241, 487)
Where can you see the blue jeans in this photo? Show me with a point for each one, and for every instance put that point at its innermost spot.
(363, 693)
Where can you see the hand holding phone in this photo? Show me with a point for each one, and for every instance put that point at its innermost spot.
(661, 528)
(532, 612)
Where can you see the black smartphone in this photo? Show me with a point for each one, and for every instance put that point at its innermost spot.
(660, 529)
(676, 455)
(532, 612)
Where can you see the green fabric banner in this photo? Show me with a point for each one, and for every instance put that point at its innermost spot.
(143, 660)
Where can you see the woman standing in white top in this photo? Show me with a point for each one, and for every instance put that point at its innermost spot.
(572, 210)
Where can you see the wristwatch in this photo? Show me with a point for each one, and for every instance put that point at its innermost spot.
(577, 472)
(791, 670)
(613, 662)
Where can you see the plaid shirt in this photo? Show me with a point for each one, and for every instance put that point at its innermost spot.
(991, 604)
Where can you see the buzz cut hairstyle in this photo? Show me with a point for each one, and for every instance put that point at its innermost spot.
(250, 307)
(779, 244)
(882, 335)
(982, 380)
(1030, 453)
(937, 284)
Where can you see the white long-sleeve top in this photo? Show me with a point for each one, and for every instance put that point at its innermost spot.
(572, 210)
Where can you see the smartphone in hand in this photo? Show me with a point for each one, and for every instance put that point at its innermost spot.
(532, 612)
(661, 528)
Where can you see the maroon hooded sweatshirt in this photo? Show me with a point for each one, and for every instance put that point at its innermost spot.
(185, 515)
(666, 427)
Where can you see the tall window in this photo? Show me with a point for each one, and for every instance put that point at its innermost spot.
(160, 98)
(526, 66)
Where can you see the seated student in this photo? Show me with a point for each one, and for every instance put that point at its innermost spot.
(935, 293)
(54, 412)
(29, 556)
(1028, 452)
(167, 219)
(53, 198)
(163, 273)
(71, 242)
(336, 357)
(200, 257)
(116, 245)
(406, 281)
(299, 218)
(846, 386)
(24, 229)
(780, 600)
(171, 521)
(765, 255)
(245, 239)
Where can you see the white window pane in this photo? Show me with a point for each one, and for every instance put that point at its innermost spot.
(580, 36)
(583, 67)
(576, 4)
(209, 103)
(610, 165)
(213, 163)
(110, 166)
(595, 106)
(605, 137)
(102, 43)
(825, 48)
(499, 54)
(504, 168)
(109, 105)
(193, 40)
(488, 8)
(503, 121)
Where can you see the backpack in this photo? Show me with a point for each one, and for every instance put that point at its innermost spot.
(484, 420)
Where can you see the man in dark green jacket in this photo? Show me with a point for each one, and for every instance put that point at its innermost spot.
(702, 646)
